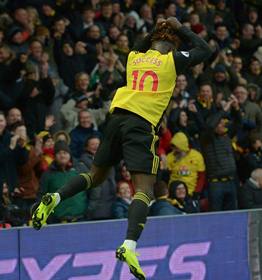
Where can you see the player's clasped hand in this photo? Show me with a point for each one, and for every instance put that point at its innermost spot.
(174, 22)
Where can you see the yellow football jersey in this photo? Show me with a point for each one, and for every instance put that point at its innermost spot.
(186, 169)
(151, 78)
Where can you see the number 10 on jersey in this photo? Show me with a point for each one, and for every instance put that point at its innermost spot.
(139, 85)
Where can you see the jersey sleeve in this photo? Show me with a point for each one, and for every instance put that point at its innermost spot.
(199, 53)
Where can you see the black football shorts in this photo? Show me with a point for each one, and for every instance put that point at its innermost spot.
(131, 138)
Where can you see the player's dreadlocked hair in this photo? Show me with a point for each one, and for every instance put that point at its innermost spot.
(164, 32)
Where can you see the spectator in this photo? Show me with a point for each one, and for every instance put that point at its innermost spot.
(69, 63)
(162, 206)
(81, 132)
(122, 48)
(250, 195)
(170, 9)
(59, 172)
(113, 34)
(252, 112)
(224, 80)
(37, 94)
(205, 101)
(123, 200)
(146, 23)
(62, 136)
(10, 74)
(237, 66)
(48, 13)
(83, 22)
(13, 115)
(254, 157)
(254, 93)
(91, 145)
(70, 111)
(17, 41)
(181, 95)
(125, 176)
(227, 16)
(100, 199)
(27, 187)
(219, 159)
(185, 164)
(47, 149)
(179, 122)
(222, 36)
(248, 42)
(178, 193)
(104, 21)
(255, 74)
(12, 154)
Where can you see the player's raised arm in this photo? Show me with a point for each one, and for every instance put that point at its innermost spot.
(200, 51)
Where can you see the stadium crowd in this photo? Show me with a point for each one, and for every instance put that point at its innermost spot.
(60, 64)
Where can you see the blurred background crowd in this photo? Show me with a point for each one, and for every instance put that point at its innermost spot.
(60, 64)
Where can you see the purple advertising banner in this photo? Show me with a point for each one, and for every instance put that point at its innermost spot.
(199, 247)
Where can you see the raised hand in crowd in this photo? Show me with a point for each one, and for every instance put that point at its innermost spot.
(49, 121)
(192, 107)
(231, 103)
(13, 142)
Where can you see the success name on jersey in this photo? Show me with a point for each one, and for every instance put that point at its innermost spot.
(150, 60)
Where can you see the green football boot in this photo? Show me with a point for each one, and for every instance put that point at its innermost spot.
(44, 209)
(130, 257)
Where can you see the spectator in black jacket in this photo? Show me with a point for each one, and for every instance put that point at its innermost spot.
(250, 195)
(69, 63)
(219, 158)
(12, 154)
(254, 157)
(37, 95)
(10, 74)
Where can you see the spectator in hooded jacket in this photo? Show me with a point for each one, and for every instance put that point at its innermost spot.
(250, 195)
(185, 164)
(178, 193)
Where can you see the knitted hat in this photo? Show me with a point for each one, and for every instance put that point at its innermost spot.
(61, 146)
(220, 68)
(180, 141)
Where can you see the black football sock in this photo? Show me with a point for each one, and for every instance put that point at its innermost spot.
(75, 185)
(137, 214)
